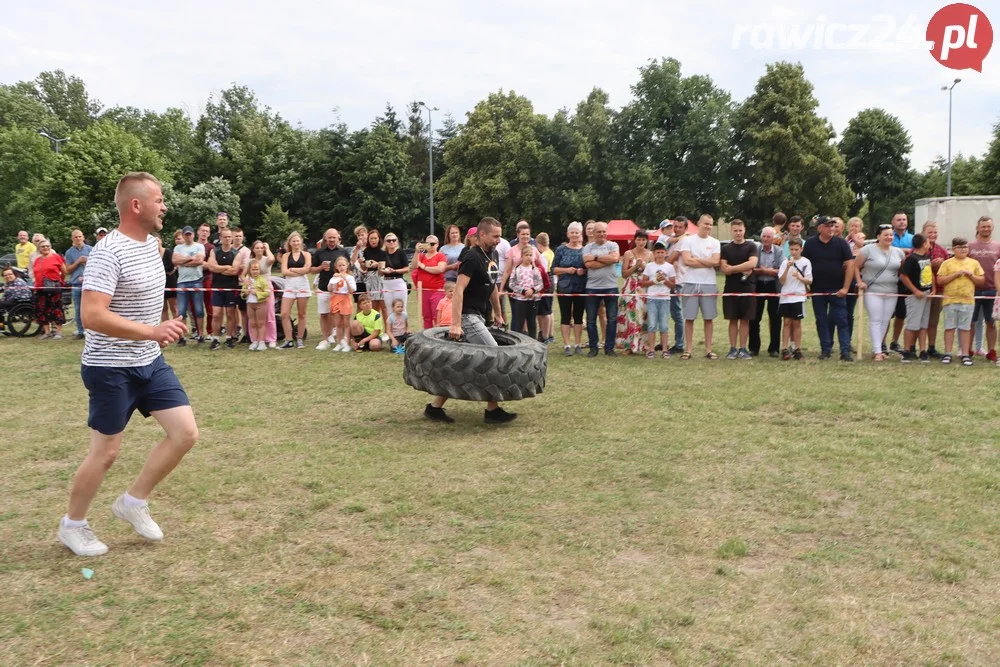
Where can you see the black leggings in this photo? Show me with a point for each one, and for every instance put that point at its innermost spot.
(574, 306)
(522, 313)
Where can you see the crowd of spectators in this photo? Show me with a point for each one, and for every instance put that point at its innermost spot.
(228, 290)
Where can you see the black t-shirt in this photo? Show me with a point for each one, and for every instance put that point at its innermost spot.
(324, 254)
(396, 260)
(170, 269)
(913, 268)
(483, 272)
(827, 262)
(223, 258)
(737, 254)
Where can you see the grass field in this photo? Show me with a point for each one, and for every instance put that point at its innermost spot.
(638, 512)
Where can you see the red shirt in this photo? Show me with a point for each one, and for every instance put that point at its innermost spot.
(48, 267)
(431, 281)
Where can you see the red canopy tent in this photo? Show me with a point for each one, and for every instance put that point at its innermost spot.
(622, 232)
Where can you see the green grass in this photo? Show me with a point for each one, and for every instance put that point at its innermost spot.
(638, 512)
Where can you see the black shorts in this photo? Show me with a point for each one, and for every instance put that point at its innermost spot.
(358, 339)
(545, 305)
(225, 298)
(791, 311)
(739, 307)
(900, 311)
(116, 392)
(241, 303)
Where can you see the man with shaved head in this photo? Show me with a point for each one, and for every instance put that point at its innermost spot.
(323, 261)
(23, 250)
(123, 368)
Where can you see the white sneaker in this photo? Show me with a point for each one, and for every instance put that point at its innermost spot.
(346, 347)
(81, 541)
(336, 348)
(272, 346)
(332, 338)
(323, 345)
(139, 518)
(299, 344)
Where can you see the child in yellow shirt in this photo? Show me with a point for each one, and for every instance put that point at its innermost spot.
(959, 277)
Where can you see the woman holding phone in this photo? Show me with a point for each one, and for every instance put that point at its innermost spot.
(432, 264)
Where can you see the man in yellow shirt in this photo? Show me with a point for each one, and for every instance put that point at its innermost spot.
(24, 250)
(959, 278)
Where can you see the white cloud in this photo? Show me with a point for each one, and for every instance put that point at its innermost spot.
(305, 59)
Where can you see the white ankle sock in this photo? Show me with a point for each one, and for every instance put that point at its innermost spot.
(131, 501)
(70, 523)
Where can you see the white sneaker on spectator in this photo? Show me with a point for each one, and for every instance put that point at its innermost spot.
(332, 338)
(139, 518)
(273, 346)
(345, 347)
(337, 347)
(323, 345)
(82, 541)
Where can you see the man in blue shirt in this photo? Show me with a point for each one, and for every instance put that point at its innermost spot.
(904, 240)
(76, 260)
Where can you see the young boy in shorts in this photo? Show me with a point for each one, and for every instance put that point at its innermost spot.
(367, 326)
(959, 277)
(917, 276)
(795, 276)
(659, 278)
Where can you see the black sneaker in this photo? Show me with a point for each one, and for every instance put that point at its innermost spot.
(846, 356)
(823, 356)
(797, 355)
(925, 357)
(906, 358)
(181, 342)
(244, 340)
(201, 339)
(498, 416)
(676, 349)
(230, 343)
(933, 353)
(437, 415)
(592, 353)
(287, 346)
(773, 354)
(786, 354)
(215, 344)
(894, 347)
(610, 353)
(79, 337)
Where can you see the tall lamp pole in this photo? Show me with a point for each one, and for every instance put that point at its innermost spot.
(55, 142)
(430, 156)
(949, 89)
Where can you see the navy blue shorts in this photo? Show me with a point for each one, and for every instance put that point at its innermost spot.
(225, 299)
(116, 392)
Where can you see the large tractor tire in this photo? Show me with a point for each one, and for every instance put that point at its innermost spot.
(513, 370)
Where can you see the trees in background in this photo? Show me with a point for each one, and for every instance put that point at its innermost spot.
(681, 145)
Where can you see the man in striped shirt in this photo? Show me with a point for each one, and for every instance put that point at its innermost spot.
(123, 368)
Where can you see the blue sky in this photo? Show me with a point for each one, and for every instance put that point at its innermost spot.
(318, 62)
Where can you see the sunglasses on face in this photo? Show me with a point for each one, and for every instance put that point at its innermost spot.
(390, 240)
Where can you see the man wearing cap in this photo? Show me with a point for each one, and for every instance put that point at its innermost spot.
(188, 258)
(76, 260)
(833, 268)
(766, 271)
(100, 234)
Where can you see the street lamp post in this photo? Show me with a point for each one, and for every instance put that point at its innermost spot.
(55, 142)
(430, 156)
(949, 89)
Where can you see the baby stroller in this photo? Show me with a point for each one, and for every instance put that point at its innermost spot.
(278, 285)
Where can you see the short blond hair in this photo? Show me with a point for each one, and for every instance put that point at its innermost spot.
(130, 186)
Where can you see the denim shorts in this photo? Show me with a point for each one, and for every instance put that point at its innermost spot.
(475, 331)
(658, 315)
(958, 316)
(116, 392)
(193, 300)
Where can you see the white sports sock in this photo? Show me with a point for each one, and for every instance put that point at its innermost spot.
(71, 523)
(131, 501)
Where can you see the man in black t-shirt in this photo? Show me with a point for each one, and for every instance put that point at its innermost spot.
(323, 261)
(737, 260)
(475, 297)
(226, 284)
(221, 222)
(833, 269)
